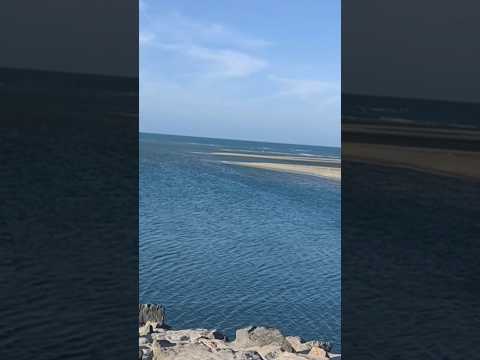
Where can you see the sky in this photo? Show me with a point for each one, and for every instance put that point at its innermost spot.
(254, 70)
(415, 49)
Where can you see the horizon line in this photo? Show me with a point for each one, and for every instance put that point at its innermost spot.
(232, 139)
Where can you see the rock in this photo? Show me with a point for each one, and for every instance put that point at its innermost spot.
(247, 355)
(158, 336)
(298, 345)
(153, 313)
(165, 343)
(148, 328)
(157, 350)
(260, 336)
(213, 344)
(188, 336)
(318, 353)
(142, 340)
(147, 353)
(158, 342)
(201, 352)
(269, 352)
(291, 356)
(321, 344)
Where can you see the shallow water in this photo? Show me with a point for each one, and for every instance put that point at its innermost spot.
(224, 246)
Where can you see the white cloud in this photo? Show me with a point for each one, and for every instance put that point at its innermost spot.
(174, 27)
(196, 78)
(226, 53)
(222, 62)
(230, 63)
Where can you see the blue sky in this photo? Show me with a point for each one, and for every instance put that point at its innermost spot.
(257, 70)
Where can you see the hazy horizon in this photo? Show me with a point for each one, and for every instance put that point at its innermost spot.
(249, 71)
(235, 139)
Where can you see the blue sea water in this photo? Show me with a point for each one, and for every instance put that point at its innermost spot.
(223, 246)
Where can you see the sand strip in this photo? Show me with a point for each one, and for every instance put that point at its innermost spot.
(276, 157)
(320, 171)
(435, 161)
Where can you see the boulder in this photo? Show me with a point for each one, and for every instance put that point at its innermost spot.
(157, 341)
(148, 328)
(298, 345)
(213, 344)
(318, 353)
(260, 336)
(291, 356)
(147, 353)
(153, 313)
(198, 351)
(321, 344)
(189, 336)
(143, 340)
(269, 352)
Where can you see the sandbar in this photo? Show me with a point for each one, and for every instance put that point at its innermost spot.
(331, 173)
(279, 157)
(457, 163)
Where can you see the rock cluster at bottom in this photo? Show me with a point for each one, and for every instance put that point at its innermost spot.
(158, 342)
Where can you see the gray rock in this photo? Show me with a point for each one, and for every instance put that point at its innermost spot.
(200, 352)
(165, 343)
(261, 336)
(153, 313)
(247, 355)
(159, 342)
(298, 345)
(188, 336)
(147, 354)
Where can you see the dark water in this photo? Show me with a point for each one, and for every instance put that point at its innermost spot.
(224, 246)
(410, 264)
(68, 216)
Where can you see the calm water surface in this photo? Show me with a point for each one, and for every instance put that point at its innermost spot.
(224, 246)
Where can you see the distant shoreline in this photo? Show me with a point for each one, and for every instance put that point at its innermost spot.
(143, 132)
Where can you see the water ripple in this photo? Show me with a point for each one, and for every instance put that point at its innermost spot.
(226, 247)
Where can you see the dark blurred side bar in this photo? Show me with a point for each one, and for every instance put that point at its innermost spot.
(69, 215)
(438, 137)
(410, 210)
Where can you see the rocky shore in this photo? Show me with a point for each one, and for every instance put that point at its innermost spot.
(157, 341)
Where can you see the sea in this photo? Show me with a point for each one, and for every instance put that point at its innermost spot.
(224, 246)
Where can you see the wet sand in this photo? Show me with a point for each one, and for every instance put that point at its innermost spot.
(435, 150)
(434, 161)
(332, 173)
